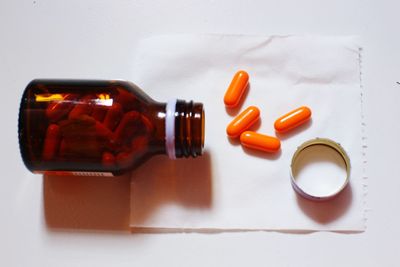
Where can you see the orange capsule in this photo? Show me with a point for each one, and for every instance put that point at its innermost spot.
(113, 116)
(51, 142)
(292, 119)
(102, 132)
(63, 151)
(243, 121)
(99, 112)
(147, 123)
(83, 106)
(236, 89)
(56, 110)
(124, 159)
(260, 141)
(127, 100)
(139, 143)
(108, 159)
(127, 127)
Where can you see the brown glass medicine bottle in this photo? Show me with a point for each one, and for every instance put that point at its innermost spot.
(94, 127)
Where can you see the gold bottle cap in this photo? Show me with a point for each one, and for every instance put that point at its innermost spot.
(299, 153)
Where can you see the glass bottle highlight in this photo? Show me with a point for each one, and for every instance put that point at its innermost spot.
(84, 127)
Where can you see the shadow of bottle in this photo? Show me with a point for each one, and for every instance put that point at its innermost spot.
(86, 203)
(161, 181)
(104, 203)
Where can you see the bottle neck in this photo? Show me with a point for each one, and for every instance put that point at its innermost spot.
(184, 129)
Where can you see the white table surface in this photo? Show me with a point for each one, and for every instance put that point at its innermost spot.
(94, 39)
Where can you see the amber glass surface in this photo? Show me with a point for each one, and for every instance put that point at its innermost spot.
(99, 126)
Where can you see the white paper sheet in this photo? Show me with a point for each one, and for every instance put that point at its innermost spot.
(230, 188)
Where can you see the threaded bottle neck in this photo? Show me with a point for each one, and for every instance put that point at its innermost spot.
(189, 129)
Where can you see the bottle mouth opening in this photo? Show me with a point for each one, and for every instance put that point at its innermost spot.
(187, 125)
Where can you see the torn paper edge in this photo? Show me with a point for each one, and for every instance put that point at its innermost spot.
(175, 230)
(364, 140)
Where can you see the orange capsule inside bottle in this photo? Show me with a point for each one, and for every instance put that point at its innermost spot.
(59, 108)
(127, 127)
(292, 119)
(108, 159)
(99, 112)
(260, 142)
(113, 116)
(51, 142)
(82, 107)
(243, 121)
(236, 89)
